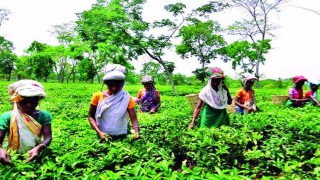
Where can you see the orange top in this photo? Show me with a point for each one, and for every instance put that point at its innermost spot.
(98, 96)
(142, 92)
(244, 95)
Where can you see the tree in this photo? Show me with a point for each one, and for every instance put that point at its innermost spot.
(59, 55)
(6, 48)
(151, 68)
(86, 70)
(119, 35)
(201, 40)
(155, 70)
(119, 27)
(256, 26)
(200, 74)
(7, 57)
(24, 69)
(73, 48)
(4, 15)
(156, 46)
(40, 56)
(106, 26)
(244, 54)
(180, 79)
(76, 53)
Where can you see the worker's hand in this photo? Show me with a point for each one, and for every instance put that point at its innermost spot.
(137, 101)
(152, 111)
(136, 135)
(4, 157)
(104, 136)
(250, 109)
(191, 126)
(33, 153)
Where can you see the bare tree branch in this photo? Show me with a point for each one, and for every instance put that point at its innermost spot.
(307, 9)
(4, 13)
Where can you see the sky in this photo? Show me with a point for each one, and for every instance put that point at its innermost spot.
(295, 47)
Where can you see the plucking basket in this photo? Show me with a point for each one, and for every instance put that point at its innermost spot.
(279, 99)
(192, 100)
(232, 108)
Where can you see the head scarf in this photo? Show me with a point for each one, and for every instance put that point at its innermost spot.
(25, 131)
(314, 82)
(296, 79)
(248, 77)
(214, 72)
(114, 72)
(147, 79)
(317, 83)
(215, 99)
(25, 88)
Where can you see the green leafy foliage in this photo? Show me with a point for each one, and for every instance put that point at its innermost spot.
(201, 40)
(244, 54)
(278, 143)
(7, 57)
(40, 59)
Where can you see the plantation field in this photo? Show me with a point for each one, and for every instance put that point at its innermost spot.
(278, 143)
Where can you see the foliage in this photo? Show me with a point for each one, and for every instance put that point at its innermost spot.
(106, 27)
(278, 143)
(151, 68)
(200, 74)
(180, 79)
(256, 25)
(245, 54)
(86, 70)
(201, 40)
(155, 70)
(117, 32)
(7, 57)
(40, 60)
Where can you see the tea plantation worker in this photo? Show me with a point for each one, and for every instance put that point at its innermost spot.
(214, 97)
(245, 98)
(25, 124)
(149, 97)
(108, 109)
(312, 94)
(296, 98)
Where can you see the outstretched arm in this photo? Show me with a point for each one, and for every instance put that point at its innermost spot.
(93, 123)
(134, 122)
(158, 104)
(47, 133)
(139, 96)
(297, 102)
(196, 113)
(313, 99)
(237, 102)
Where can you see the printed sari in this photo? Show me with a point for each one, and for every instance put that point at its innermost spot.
(149, 100)
(25, 131)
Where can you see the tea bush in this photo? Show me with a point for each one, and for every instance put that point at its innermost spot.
(278, 143)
